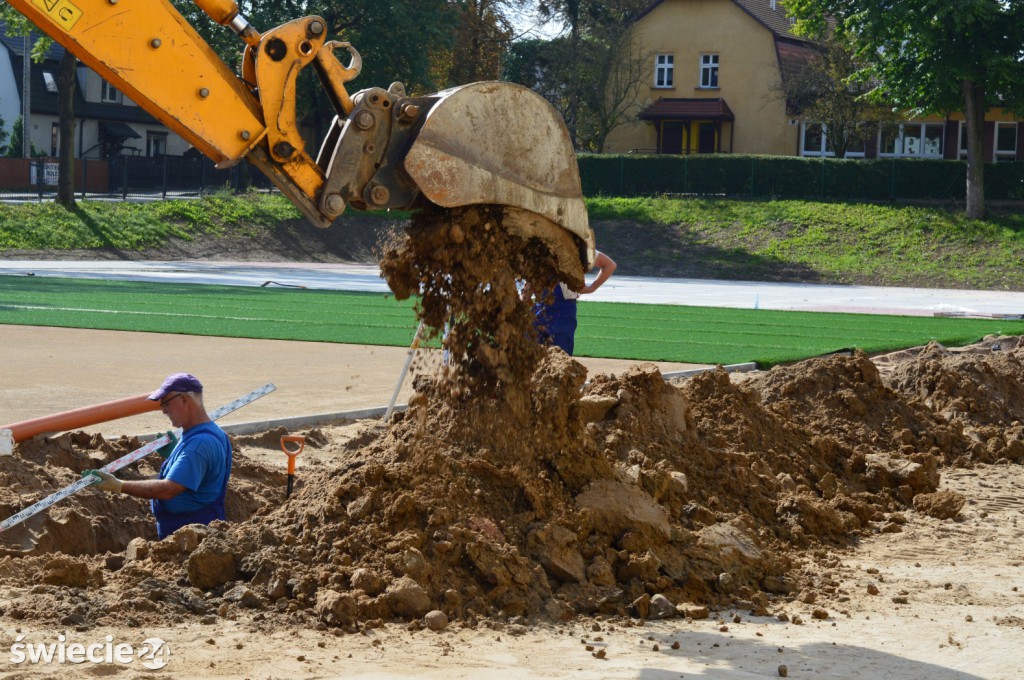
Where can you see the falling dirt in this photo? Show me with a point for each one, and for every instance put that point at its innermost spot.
(512, 488)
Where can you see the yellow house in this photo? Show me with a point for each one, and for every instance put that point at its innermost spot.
(714, 86)
(716, 68)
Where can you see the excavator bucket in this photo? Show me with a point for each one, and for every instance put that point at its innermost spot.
(503, 144)
(486, 143)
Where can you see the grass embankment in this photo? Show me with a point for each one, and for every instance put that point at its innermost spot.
(932, 247)
(869, 244)
(614, 330)
(137, 226)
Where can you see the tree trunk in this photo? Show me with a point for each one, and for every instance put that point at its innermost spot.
(974, 113)
(66, 112)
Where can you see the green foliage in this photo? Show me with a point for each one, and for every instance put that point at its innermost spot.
(14, 149)
(919, 53)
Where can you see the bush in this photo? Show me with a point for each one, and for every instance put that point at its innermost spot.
(791, 177)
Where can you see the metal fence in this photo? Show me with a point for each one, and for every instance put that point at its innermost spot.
(126, 178)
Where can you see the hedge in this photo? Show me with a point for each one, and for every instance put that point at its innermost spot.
(792, 177)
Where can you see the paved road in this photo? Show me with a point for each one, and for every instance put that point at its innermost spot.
(621, 288)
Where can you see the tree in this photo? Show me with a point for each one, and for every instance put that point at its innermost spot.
(825, 89)
(66, 122)
(620, 76)
(592, 73)
(17, 140)
(924, 56)
(483, 33)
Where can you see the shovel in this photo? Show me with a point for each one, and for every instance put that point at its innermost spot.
(292, 453)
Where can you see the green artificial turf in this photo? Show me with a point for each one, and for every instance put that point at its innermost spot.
(704, 335)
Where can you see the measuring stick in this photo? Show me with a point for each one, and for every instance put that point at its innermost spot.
(125, 461)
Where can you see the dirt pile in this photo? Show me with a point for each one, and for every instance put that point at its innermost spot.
(554, 500)
(509, 488)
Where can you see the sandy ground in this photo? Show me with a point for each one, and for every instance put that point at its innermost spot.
(948, 602)
(963, 617)
(51, 370)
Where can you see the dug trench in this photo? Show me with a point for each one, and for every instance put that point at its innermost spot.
(511, 488)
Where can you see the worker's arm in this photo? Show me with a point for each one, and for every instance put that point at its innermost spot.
(160, 489)
(607, 267)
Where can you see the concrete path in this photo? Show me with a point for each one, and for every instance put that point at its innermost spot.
(621, 288)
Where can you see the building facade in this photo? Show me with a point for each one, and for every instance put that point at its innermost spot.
(717, 68)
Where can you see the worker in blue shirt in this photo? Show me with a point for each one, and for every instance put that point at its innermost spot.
(192, 485)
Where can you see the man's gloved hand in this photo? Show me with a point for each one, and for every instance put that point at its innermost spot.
(104, 481)
(167, 448)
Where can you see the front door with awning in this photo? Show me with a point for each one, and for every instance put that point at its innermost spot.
(687, 126)
(113, 135)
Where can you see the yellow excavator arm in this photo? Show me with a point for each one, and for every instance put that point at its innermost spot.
(483, 143)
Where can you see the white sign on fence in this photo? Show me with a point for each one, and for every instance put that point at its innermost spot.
(49, 174)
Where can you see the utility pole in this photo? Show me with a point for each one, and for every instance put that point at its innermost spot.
(26, 95)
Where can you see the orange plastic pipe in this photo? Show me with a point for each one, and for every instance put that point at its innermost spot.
(81, 417)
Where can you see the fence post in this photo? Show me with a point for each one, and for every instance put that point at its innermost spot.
(823, 176)
(40, 177)
(202, 176)
(124, 178)
(85, 176)
(686, 174)
(622, 167)
(892, 181)
(753, 177)
(164, 180)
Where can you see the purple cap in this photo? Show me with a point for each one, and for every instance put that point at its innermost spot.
(177, 382)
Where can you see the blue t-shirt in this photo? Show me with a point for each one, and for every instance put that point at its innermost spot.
(201, 462)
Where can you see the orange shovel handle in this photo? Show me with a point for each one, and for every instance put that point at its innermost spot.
(287, 439)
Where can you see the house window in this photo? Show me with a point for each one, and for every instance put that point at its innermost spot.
(933, 136)
(54, 139)
(109, 93)
(812, 141)
(156, 143)
(709, 70)
(815, 141)
(922, 140)
(1005, 142)
(50, 81)
(888, 138)
(663, 67)
(963, 139)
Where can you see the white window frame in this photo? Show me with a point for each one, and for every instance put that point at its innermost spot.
(109, 93)
(664, 71)
(50, 81)
(709, 71)
(1003, 155)
(160, 138)
(821, 150)
(825, 149)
